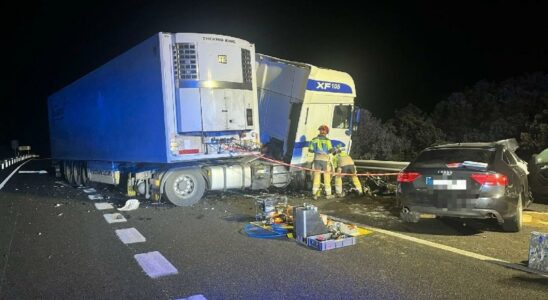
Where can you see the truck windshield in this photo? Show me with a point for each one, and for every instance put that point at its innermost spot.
(341, 116)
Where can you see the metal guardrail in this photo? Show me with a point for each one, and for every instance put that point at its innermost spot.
(381, 165)
(5, 163)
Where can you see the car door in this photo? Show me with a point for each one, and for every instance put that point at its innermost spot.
(517, 177)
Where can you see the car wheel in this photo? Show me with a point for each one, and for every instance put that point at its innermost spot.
(185, 187)
(514, 223)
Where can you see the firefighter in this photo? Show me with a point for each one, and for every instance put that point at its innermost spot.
(321, 147)
(343, 163)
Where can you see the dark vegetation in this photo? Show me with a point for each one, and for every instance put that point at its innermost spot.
(488, 111)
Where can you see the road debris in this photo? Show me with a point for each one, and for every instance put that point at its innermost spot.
(538, 251)
(131, 204)
(89, 191)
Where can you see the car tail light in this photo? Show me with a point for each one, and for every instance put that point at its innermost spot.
(408, 176)
(490, 179)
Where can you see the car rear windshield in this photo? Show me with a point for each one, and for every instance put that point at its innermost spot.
(454, 158)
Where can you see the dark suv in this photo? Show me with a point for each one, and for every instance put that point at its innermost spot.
(467, 180)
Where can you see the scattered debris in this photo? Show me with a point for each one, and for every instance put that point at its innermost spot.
(538, 251)
(89, 191)
(131, 204)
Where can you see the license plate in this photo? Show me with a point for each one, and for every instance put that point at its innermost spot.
(447, 184)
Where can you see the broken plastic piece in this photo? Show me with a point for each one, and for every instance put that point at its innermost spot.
(131, 204)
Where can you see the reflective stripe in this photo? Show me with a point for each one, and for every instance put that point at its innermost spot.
(322, 157)
(320, 144)
(345, 161)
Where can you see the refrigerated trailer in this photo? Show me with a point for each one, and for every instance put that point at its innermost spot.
(178, 115)
(294, 100)
(175, 115)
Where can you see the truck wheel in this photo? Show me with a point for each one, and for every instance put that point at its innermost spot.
(514, 223)
(84, 172)
(77, 173)
(185, 187)
(67, 172)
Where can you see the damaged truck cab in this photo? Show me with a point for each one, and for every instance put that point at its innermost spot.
(294, 100)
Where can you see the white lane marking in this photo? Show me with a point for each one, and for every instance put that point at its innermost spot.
(155, 264)
(103, 206)
(194, 297)
(448, 248)
(95, 197)
(8, 178)
(114, 218)
(130, 236)
(32, 172)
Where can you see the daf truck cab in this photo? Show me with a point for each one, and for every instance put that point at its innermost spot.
(294, 100)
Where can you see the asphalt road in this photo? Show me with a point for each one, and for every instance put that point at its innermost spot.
(54, 243)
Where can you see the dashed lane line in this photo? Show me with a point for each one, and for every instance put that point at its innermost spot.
(448, 248)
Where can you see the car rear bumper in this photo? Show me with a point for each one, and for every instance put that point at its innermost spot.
(459, 213)
(476, 208)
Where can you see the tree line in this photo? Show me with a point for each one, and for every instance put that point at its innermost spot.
(488, 111)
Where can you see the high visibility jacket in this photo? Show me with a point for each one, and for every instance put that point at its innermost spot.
(342, 159)
(321, 147)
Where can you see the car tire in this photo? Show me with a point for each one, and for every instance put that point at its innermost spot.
(515, 222)
(185, 187)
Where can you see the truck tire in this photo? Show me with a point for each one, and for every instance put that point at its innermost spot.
(84, 172)
(77, 173)
(185, 187)
(514, 223)
(67, 172)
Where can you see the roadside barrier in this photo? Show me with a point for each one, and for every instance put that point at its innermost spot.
(262, 156)
(10, 161)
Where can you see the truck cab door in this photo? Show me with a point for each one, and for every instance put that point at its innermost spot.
(340, 124)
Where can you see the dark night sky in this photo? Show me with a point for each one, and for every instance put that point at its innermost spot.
(397, 53)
